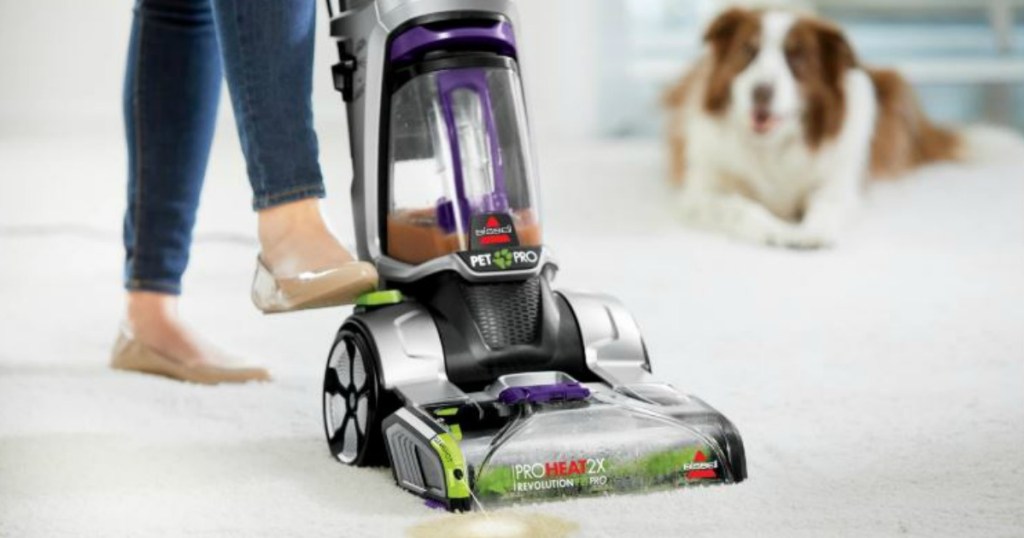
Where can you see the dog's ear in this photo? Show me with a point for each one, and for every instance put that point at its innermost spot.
(721, 30)
(836, 52)
(824, 115)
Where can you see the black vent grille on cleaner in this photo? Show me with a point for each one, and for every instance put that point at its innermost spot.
(507, 313)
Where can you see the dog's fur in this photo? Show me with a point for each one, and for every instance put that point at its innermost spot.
(775, 130)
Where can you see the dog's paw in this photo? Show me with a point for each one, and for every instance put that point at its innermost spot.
(800, 239)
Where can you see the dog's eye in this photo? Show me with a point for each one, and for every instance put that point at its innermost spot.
(796, 58)
(750, 50)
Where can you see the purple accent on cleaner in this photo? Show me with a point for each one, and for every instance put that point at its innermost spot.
(435, 504)
(570, 391)
(474, 81)
(445, 213)
(419, 39)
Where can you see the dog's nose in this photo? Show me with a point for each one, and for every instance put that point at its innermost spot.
(763, 94)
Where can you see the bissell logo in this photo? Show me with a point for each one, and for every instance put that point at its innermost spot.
(700, 467)
(493, 233)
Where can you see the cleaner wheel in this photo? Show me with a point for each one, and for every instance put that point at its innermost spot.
(355, 401)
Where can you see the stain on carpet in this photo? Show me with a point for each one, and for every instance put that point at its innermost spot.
(495, 525)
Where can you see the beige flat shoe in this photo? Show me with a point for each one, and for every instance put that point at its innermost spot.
(131, 355)
(331, 287)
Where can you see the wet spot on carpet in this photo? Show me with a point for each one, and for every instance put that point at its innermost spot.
(495, 525)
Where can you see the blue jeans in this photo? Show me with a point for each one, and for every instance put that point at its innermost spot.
(176, 55)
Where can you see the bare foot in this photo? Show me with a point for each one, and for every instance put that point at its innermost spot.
(154, 322)
(295, 238)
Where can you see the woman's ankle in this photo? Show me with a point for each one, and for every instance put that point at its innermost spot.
(153, 321)
(146, 308)
(295, 237)
(279, 223)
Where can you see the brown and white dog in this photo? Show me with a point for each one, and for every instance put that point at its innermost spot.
(775, 130)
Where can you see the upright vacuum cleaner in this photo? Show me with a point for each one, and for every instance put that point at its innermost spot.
(467, 373)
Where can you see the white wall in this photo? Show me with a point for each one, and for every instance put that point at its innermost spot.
(62, 63)
(561, 50)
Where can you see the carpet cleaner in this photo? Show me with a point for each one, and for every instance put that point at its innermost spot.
(467, 372)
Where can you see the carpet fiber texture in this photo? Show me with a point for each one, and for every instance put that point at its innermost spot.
(879, 386)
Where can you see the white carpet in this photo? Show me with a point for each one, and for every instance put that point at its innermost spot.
(879, 387)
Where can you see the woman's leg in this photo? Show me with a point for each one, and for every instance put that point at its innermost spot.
(267, 50)
(171, 91)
